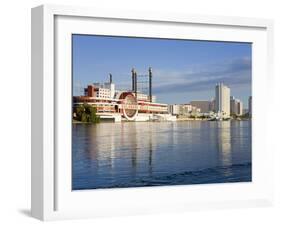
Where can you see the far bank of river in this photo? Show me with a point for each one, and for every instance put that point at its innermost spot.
(178, 120)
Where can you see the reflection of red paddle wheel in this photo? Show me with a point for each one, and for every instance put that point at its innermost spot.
(129, 105)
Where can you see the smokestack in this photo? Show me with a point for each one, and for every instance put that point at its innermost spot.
(133, 79)
(110, 78)
(150, 83)
(136, 86)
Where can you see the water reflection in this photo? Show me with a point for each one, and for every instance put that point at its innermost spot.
(224, 142)
(151, 153)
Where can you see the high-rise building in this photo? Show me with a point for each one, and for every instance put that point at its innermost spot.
(223, 99)
(233, 105)
(250, 105)
(240, 108)
(236, 106)
(213, 104)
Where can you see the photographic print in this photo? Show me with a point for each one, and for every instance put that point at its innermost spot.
(160, 112)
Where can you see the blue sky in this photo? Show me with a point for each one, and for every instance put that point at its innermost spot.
(183, 70)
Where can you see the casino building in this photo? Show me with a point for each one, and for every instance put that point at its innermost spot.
(129, 105)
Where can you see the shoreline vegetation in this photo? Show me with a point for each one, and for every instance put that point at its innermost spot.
(87, 114)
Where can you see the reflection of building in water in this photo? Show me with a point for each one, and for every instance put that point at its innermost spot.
(127, 145)
(224, 142)
(134, 144)
(239, 126)
(112, 148)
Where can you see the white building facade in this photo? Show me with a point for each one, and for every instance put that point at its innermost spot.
(105, 90)
(183, 109)
(223, 100)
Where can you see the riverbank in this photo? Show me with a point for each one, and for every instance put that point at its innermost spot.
(177, 120)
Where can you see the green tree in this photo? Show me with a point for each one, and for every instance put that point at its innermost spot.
(86, 113)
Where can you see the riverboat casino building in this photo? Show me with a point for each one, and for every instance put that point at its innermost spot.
(129, 105)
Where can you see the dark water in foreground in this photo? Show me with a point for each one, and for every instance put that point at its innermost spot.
(109, 155)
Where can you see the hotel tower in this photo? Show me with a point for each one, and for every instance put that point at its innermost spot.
(222, 99)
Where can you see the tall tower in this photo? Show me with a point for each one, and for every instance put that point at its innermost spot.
(250, 105)
(223, 99)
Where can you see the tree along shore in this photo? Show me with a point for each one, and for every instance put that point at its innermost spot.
(85, 113)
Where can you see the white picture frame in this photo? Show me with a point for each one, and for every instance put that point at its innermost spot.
(52, 197)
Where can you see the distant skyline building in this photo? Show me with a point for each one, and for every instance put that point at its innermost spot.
(233, 105)
(236, 106)
(240, 108)
(250, 105)
(213, 104)
(203, 105)
(223, 99)
(183, 109)
(174, 109)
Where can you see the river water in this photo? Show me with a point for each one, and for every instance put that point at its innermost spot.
(136, 154)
